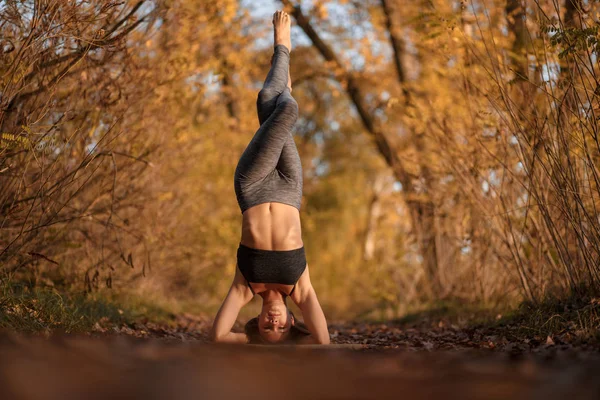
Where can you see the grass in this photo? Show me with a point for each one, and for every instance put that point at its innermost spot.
(45, 310)
(455, 312)
(576, 317)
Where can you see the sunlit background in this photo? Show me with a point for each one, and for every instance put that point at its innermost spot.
(450, 149)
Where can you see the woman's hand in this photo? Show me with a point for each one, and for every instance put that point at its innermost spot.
(231, 337)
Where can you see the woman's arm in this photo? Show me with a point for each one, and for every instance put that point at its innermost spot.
(306, 298)
(238, 296)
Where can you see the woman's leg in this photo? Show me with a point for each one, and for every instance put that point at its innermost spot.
(262, 154)
(274, 84)
(289, 162)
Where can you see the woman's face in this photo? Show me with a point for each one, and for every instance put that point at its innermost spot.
(274, 322)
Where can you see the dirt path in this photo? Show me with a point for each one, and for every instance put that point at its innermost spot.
(149, 361)
(422, 336)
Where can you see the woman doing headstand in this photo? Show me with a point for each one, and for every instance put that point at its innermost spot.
(268, 184)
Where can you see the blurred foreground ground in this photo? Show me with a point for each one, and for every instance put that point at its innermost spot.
(150, 361)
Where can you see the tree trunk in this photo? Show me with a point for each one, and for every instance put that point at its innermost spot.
(421, 211)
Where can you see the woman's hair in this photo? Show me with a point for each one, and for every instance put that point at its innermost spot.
(297, 331)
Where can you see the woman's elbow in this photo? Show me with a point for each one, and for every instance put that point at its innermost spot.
(324, 340)
(214, 337)
(321, 340)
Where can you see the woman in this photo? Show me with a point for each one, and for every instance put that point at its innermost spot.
(268, 183)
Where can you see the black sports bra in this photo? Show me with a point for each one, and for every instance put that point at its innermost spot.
(271, 266)
(284, 294)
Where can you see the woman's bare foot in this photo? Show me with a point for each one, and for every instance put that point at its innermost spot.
(281, 23)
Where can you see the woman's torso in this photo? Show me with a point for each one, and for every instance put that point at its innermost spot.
(271, 226)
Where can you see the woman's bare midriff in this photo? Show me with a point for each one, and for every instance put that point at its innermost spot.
(272, 226)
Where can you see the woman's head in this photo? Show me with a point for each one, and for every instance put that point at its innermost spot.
(275, 324)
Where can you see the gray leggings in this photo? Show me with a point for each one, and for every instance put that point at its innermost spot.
(270, 170)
